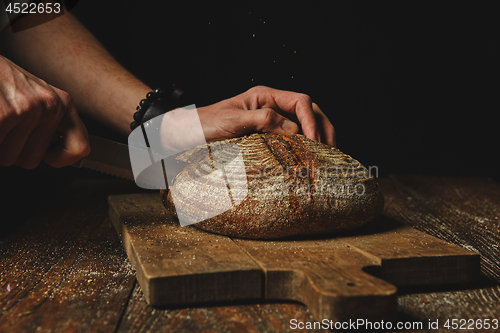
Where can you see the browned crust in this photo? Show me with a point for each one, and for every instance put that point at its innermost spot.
(303, 200)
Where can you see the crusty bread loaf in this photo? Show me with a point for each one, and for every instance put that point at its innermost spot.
(296, 186)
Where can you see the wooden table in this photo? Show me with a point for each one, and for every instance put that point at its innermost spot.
(64, 269)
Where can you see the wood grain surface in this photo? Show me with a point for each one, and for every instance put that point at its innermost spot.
(182, 265)
(463, 211)
(179, 265)
(64, 269)
(225, 318)
(406, 257)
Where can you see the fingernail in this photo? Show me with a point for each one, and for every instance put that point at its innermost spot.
(289, 126)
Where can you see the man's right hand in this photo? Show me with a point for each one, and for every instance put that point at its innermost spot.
(32, 112)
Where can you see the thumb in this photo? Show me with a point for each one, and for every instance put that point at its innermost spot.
(267, 120)
(73, 144)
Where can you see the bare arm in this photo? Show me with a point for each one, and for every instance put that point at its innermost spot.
(66, 55)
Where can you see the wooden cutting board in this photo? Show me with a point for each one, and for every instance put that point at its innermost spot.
(354, 275)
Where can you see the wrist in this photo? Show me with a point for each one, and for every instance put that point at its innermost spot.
(158, 102)
(124, 106)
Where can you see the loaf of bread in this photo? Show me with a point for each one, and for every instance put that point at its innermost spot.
(291, 186)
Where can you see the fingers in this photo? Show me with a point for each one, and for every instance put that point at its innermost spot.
(267, 120)
(13, 144)
(31, 111)
(74, 142)
(299, 105)
(314, 123)
(26, 146)
(39, 139)
(34, 148)
(22, 115)
(326, 129)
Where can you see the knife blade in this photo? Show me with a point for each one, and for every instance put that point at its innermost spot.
(113, 158)
(107, 156)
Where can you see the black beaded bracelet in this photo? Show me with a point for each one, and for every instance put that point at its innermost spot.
(175, 96)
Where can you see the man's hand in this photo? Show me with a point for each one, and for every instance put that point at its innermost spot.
(31, 112)
(263, 109)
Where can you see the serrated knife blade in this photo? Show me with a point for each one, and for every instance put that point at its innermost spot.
(107, 156)
(113, 158)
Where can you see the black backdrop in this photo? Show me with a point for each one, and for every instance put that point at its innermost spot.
(410, 87)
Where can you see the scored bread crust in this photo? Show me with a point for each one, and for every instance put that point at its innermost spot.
(295, 187)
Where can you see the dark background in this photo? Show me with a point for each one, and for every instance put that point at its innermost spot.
(410, 87)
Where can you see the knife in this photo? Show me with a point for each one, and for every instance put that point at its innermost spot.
(113, 158)
(107, 156)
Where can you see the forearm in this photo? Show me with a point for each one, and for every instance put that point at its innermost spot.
(66, 55)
